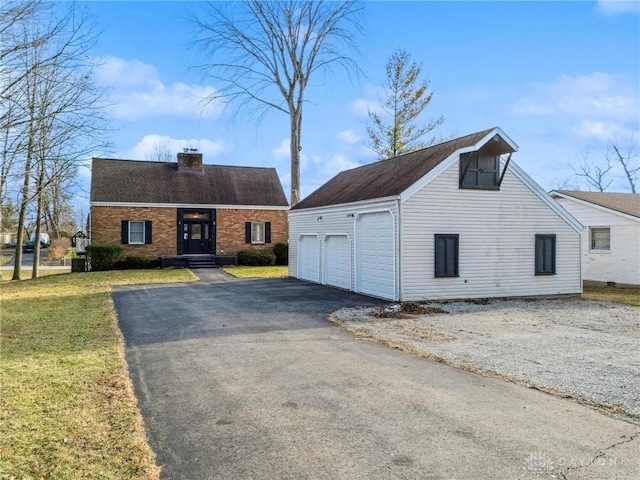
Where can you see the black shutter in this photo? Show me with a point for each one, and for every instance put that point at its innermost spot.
(267, 232)
(545, 255)
(247, 232)
(446, 255)
(124, 239)
(147, 232)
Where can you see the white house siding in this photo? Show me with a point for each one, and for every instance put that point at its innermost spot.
(331, 220)
(620, 264)
(496, 241)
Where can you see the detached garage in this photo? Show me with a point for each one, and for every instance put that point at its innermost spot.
(456, 220)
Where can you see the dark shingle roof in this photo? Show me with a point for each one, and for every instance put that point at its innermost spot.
(158, 182)
(387, 177)
(628, 203)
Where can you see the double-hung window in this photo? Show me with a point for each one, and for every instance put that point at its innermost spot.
(545, 255)
(446, 255)
(136, 233)
(600, 238)
(257, 232)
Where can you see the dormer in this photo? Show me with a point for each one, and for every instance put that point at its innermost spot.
(480, 169)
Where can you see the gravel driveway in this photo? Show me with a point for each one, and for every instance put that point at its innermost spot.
(582, 349)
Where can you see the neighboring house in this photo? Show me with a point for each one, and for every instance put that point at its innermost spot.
(177, 210)
(611, 238)
(455, 220)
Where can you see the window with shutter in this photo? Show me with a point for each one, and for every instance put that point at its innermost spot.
(446, 255)
(257, 232)
(136, 233)
(479, 171)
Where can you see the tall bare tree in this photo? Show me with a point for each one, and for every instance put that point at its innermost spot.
(407, 95)
(56, 109)
(264, 53)
(629, 162)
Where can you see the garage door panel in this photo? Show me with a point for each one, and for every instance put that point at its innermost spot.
(337, 261)
(375, 273)
(309, 258)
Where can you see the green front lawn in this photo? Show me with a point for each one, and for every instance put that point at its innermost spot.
(68, 408)
(627, 296)
(276, 271)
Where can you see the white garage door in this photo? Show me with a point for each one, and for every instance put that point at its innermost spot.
(309, 258)
(337, 261)
(375, 265)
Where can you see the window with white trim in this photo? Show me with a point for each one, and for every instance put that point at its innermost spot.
(257, 232)
(136, 232)
(600, 238)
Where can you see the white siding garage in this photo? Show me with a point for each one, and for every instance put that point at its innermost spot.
(375, 254)
(337, 261)
(309, 258)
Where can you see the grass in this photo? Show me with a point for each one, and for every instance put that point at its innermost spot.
(276, 271)
(626, 296)
(6, 275)
(68, 408)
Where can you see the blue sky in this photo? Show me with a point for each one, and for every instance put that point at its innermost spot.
(560, 78)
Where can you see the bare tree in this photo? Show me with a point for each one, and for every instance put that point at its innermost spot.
(265, 52)
(628, 162)
(617, 166)
(406, 98)
(159, 152)
(58, 114)
(595, 174)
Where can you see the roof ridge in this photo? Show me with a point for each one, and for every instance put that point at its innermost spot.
(176, 163)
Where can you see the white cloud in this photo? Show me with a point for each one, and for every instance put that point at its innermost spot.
(369, 102)
(594, 95)
(602, 131)
(282, 151)
(615, 7)
(209, 148)
(348, 136)
(137, 92)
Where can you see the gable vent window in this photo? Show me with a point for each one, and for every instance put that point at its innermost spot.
(446, 255)
(257, 232)
(545, 254)
(600, 239)
(136, 232)
(479, 171)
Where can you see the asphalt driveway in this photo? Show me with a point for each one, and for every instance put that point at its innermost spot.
(248, 379)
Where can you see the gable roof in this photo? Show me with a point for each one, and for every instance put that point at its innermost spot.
(143, 182)
(386, 178)
(627, 203)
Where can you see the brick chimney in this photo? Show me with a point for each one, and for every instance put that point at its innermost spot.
(190, 161)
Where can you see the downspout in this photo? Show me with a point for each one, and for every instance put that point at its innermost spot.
(399, 240)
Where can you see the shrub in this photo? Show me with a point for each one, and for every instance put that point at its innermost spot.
(102, 257)
(59, 248)
(281, 250)
(256, 258)
(138, 262)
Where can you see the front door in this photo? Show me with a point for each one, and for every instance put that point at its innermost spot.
(197, 232)
(197, 237)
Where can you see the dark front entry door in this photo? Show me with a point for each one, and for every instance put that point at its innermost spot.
(196, 237)
(196, 232)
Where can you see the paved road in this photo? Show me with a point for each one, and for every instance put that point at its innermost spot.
(248, 379)
(27, 258)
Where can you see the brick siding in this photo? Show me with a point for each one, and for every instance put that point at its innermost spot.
(106, 225)
(230, 232)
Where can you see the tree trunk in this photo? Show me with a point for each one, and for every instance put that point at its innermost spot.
(40, 199)
(295, 157)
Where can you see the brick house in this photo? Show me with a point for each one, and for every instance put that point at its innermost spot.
(186, 211)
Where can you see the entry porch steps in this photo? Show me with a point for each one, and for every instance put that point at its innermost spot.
(202, 261)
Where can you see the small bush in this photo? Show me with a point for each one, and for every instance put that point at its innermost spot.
(137, 262)
(102, 257)
(59, 248)
(256, 258)
(281, 251)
